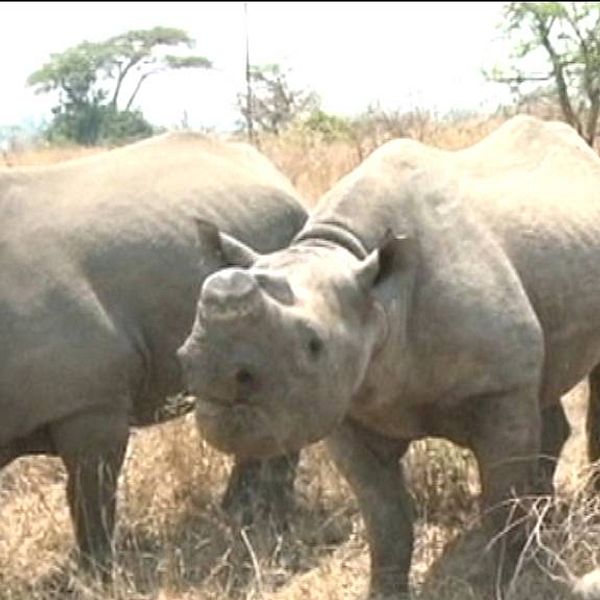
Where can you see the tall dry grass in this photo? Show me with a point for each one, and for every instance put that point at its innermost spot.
(45, 155)
(314, 165)
(173, 540)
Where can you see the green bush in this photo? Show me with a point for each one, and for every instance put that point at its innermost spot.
(331, 127)
(94, 124)
(124, 126)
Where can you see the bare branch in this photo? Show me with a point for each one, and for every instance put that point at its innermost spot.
(141, 80)
(522, 78)
(122, 74)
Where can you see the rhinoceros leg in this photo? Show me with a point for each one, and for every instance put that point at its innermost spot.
(36, 442)
(371, 465)
(506, 444)
(555, 432)
(92, 447)
(593, 418)
(260, 488)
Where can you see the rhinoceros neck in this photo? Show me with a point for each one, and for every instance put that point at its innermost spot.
(333, 233)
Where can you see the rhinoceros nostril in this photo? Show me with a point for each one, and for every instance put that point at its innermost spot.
(244, 377)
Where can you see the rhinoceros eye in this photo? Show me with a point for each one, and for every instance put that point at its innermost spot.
(312, 342)
(315, 345)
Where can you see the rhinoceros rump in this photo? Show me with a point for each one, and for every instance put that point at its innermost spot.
(431, 293)
(100, 269)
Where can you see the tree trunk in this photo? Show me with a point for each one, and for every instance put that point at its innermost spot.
(137, 89)
(122, 74)
(592, 120)
(559, 77)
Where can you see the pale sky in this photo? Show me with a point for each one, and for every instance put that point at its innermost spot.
(400, 54)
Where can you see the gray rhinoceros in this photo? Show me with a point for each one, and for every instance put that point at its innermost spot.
(100, 270)
(431, 293)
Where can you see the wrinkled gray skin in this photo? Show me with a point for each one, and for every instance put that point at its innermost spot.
(431, 293)
(100, 269)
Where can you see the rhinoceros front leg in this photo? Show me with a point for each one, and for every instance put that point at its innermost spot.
(371, 465)
(92, 447)
(259, 488)
(507, 443)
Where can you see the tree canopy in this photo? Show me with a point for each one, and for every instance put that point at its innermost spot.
(90, 80)
(274, 103)
(563, 39)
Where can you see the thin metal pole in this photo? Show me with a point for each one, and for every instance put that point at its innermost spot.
(249, 119)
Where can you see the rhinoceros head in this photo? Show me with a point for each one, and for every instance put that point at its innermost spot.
(281, 342)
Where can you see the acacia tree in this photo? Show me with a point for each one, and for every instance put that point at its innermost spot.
(564, 39)
(89, 79)
(270, 102)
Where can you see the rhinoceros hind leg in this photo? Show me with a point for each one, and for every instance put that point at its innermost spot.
(36, 442)
(555, 432)
(92, 447)
(593, 418)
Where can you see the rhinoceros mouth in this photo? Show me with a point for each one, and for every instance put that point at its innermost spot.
(208, 407)
(236, 428)
(214, 406)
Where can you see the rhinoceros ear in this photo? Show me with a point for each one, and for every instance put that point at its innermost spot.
(395, 254)
(233, 252)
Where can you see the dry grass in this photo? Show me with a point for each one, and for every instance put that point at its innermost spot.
(174, 542)
(46, 155)
(314, 166)
(173, 539)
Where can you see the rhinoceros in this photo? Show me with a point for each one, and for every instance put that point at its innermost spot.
(100, 270)
(453, 294)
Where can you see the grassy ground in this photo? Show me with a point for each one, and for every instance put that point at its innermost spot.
(173, 540)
